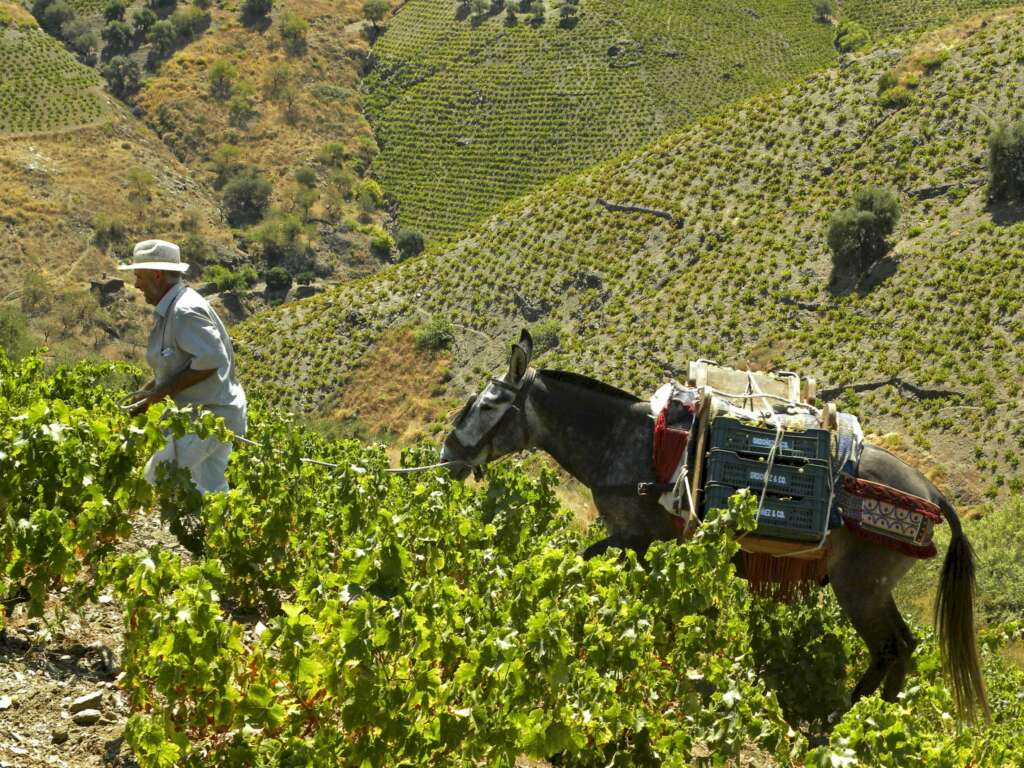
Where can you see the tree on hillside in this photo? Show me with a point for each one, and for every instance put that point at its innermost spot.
(225, 163)
(162, 6)
(823, 11)
(256, 9)
(1006, 163)
(80, 38)
(14, 337)
(118, 38)
(55, 15)
(376, 10)
(163, 38)
(857, 234)
(242, 104)
(246, 196)
(114, 10)
(142, 21)
(222, 76)
(851, 36)
(479, 7)
(122, 75)
(293, 33)
(409, 242)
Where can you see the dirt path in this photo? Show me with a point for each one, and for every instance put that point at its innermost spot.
(45, 665)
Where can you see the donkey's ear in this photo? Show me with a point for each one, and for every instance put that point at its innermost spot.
(519, 360)
(526, 342)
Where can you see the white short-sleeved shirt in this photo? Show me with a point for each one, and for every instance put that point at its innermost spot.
(189, 334)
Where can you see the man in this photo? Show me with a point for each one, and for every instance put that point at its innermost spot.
(193, 363)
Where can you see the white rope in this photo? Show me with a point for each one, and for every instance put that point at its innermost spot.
(318, 462)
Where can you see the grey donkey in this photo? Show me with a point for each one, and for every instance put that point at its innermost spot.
(603, 437)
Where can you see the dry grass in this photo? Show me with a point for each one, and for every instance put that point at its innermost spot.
(928, 52)
(392, 395)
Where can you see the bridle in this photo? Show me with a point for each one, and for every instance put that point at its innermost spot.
(517, 407)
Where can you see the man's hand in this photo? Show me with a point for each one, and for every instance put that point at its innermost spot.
(145, 397)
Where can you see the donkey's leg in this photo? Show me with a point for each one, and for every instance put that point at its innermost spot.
(898, 671)
(863, 575)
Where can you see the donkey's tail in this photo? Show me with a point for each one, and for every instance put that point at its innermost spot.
(954, 622)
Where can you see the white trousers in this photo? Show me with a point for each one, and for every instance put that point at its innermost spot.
(205, 459)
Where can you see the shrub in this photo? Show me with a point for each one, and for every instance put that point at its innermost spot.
(108, 230)
(14, 337)
(896, 97)
(857, 234)
(409, 242)
(223, 279)
(435, 335)
(278, 279)
(381, 242)
(284, 242)
(195, 250)
(851, 36)
(277, 81)
(370, 195)
(122, 76)
(257, 9)
(241, 104)
(306, 176)
(222, 76)
(246, 196)
(1006, 163)
(546, 334)
(189, 22)
(823, 11)
(332, 153)
(293, 32)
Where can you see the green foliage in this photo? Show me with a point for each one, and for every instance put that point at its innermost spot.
(419, 621)
(435, 335)
(222, 76)
(823, 11)
(293, 32)
(409, 242)
(224, 279)
(284, 242)
(546, 334)
(376, 10)
(118, 38)
(163, 38)
(1006, 163)
(857, 234)
(80, 38)
(142, 21)
(123, 76)
(256, 9)
(851, 36)
(14, 336)
(370, 195)
(278, 279)
(114, 10)
(189, 21)
(246, 196)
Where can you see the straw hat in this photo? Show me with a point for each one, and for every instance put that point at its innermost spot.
(156, 254)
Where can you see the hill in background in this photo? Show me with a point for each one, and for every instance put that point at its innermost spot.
(711, 243)
(80, 180)
(474, 109)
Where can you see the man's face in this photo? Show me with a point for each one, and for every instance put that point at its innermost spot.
(153, 283)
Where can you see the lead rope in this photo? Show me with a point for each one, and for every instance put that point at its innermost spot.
(319, 463)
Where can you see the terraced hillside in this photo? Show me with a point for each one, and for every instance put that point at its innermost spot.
(730, 261)
(76, 191)
(472, 111)
(43, 87)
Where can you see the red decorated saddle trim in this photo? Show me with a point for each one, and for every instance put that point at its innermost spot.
(669, 447)
(889, 517)
(866, 489)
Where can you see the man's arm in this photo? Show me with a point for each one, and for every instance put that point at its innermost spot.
(181, 381)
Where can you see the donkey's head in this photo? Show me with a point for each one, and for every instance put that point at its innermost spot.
(493, 423)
